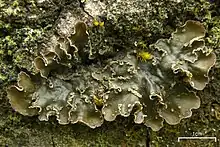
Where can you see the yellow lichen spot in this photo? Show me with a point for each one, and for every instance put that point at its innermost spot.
(98, 23)
(95, 22)
(143, 56)
(98, 101)
(101, 24)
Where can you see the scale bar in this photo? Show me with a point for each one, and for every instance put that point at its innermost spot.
(185, 138)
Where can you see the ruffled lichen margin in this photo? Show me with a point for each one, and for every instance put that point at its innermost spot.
(162, 88)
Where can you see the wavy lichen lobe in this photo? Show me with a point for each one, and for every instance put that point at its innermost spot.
(159, 90)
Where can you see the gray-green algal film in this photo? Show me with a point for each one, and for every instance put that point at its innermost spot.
(163, 88)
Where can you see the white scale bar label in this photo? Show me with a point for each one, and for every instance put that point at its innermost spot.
(186, 138)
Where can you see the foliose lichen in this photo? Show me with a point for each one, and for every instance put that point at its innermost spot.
(160, 88)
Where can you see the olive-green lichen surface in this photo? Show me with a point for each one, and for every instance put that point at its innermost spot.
(122, 83)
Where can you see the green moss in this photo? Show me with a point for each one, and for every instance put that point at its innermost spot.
(20, 32)
(14, 118)
(2, 77)
(142, 44)
(10, 41)
(18, 59)
(13, 9)
(5, 141)
(214, 33)
(2, 4)
(10, 52)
